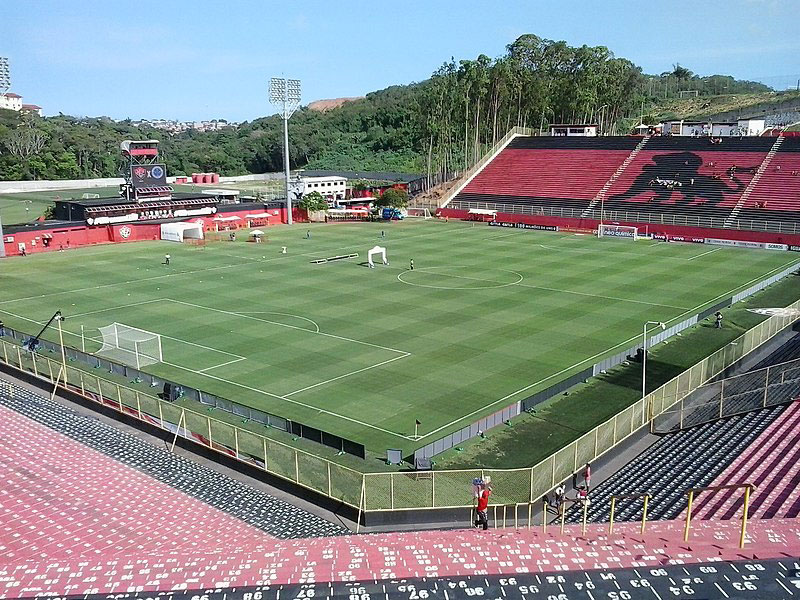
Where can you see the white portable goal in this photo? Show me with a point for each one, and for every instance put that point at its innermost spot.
(420, 211)
(376, 251)
(618, 231)
(130, 345)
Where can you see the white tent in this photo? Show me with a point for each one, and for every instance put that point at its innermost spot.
(256, 233)
(227, 218)
(177, 232)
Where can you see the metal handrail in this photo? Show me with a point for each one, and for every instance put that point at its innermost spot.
(633, 496)
(748, 489)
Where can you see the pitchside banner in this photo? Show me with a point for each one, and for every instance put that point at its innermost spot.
(678, 238)
(143, 176)
(524, 226)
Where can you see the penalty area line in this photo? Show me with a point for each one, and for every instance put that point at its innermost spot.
(385, 362)
(291, 400)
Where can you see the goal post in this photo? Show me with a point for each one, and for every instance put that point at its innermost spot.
(421, 211)
(130, 345)
(618, 231)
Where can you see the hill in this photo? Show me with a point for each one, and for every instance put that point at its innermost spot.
(328, 104)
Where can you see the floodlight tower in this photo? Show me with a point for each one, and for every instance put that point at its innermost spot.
(5, 85)
(285, 94)
(5, 75)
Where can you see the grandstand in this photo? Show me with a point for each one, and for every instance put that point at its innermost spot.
(84, 516)
(743, 183)
(758, 446)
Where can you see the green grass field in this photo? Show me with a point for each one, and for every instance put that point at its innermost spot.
(489, 315)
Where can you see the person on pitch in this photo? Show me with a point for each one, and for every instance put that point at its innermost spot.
(166, 259)
(411, 265)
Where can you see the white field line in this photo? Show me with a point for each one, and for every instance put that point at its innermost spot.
(704, 253)
(270, 312)
(497, 237)
(347, 375)
(331, 335)
(101, 310)
(203, 372)
(201, 345)
(100, 340)
(254, 261)
(585, 360)
(225, 364)
(292, 401)
(549, 289)
(588, 250)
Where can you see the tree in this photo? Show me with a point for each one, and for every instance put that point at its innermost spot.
(393, 197)
(313, 202)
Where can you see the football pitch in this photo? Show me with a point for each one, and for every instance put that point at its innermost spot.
(487, 317)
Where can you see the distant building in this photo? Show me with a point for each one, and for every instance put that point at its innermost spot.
(742, 127)
(332, 187)
(11, 101)
(574, 129)
(173, 127)
(32, 109)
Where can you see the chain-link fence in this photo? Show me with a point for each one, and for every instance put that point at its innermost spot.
(776, 384)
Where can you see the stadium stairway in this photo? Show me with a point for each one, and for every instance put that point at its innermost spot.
(754, 182)
(376, 558)
(600, 196)
(165, 477)
(678, 461)
(777, 193)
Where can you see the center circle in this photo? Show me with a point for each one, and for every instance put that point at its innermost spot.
(459, 278)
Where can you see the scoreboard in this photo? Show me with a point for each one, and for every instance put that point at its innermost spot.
(147, 176)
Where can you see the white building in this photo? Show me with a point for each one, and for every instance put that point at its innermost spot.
(332, 187)
(569, 129)
(702, 128)
(11, 101)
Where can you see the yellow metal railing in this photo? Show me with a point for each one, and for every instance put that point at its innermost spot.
(302, 468)
(691, 493)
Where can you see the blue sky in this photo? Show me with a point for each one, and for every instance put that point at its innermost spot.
(202, 59)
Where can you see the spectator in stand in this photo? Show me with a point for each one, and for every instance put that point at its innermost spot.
(587, 476)
(483, 507)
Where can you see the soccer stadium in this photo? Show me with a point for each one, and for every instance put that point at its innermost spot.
(397, 347)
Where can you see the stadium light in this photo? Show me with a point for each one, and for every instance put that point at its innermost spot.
(285, 94)
(5, 75)
(644, 352)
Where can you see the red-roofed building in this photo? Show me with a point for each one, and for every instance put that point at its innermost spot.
(32, 108)
(11, 101)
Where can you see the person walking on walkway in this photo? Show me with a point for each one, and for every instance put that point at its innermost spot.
(483, 507)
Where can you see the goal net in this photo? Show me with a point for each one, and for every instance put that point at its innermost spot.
(618, 231)
(422, 212)
(130, 345)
